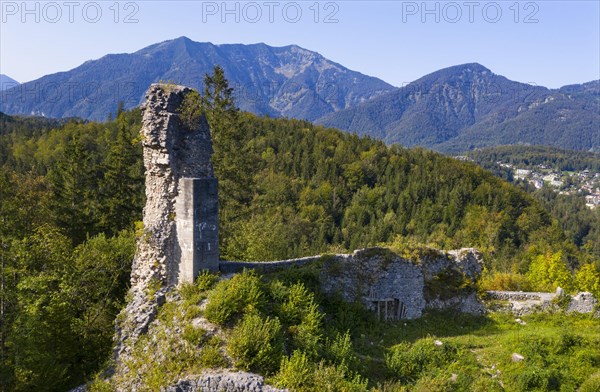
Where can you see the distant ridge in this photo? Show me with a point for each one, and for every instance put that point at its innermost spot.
(278, 81)
(468, 106)
(7, 82)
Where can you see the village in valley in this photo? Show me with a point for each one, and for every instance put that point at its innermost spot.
(583, 182)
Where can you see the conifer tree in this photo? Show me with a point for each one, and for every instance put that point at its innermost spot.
(122, 182)
(75, 192)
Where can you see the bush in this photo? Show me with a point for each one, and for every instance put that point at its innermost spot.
(337, 378)
(547, 272)
(296, 372)
(193, 335)
(588, 279)
(210, 355)
(256, 344)
(232, 298)
(206, 281)
(195, 292)
(341, 350)
(297, 309)
(537, 378)
(407, 362)
(440, 383)
(592, 384)
(505, 281)
(300, 374)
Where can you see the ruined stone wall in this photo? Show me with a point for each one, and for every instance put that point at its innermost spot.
(231, 267)
(522, 302)
(375, 276)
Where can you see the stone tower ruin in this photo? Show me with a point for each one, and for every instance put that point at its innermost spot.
(181, 212)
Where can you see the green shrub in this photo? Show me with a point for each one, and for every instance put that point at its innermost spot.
(300, 374)
(299, 312)
(206, 281)
(567, 342)
(341, 351)
(296, 372)
(337, 378)
(448, 284)
(210, 355)
(307, 335)
(298, 303)
(193, 335)
(390, 386)
(256, 343)
(505, 281)
(193, 293)
(407, 362)
(535, 378)
(592, 384)
(230, 299)
(100, 385)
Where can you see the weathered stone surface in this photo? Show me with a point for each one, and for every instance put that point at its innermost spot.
(223, 381)
(197, 221)
(377, 277)
(469, 261)
(464, 303)
(172, 152)
(522, 303)
(583, 302)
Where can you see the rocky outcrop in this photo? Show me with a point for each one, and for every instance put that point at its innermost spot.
(223, 381)
(172, 151)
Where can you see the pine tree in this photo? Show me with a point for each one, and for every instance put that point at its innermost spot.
(121, 186)
(233, 161)
(75, 196)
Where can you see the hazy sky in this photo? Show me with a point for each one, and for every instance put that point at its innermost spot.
(549, 43)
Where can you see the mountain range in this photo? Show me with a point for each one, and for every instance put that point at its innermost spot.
(468, 106)
(451, 110)
(276, 81)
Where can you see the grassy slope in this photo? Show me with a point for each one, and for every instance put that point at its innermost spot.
(560, 350)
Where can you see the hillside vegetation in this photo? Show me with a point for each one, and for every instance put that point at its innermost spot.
(282, 326)
(71, 197)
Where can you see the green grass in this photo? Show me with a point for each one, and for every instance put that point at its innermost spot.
(561, 351)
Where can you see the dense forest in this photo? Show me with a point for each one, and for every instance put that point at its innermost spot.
(72, 197)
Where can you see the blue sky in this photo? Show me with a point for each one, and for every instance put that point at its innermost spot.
(549, 43)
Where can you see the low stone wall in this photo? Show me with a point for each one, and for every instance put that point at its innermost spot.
(230, 267)
(520, 295)
(521, 303)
